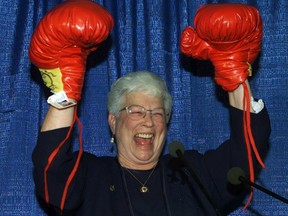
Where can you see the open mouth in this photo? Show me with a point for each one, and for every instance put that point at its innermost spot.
(144, 139)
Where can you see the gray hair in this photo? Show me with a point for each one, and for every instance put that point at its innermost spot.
(140, 81)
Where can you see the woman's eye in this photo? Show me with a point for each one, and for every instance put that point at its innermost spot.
(158, 114)
(137, 113)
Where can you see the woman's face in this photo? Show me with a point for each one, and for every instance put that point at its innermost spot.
(140, 141)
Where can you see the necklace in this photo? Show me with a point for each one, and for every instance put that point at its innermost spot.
(164, 190)
(143, 188)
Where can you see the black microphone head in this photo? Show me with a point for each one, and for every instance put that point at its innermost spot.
(234, 174)
(175, 146)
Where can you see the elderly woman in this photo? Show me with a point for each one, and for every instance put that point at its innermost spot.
(140, 180)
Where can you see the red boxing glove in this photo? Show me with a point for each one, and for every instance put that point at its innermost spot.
(61, 43)
(230, 36)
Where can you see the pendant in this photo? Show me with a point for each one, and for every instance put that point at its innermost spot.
(144, 189)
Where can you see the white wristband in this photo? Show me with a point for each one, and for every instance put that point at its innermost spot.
(60, 100)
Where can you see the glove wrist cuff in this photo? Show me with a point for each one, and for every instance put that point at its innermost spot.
(60, 100)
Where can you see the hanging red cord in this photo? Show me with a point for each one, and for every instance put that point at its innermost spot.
(59, 47)
(76, 165)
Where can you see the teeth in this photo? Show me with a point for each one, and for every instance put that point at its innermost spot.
(145, 136)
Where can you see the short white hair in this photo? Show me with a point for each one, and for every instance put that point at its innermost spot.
(140, 81)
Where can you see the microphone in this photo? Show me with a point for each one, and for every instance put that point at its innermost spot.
(236, 176)
(176, 150)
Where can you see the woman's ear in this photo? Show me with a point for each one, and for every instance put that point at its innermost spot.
(112, 122)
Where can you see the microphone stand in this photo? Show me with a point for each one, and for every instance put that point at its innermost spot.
(245, 181)
(201, 186)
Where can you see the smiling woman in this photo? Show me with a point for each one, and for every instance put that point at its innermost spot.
(140, 180)
(145, 36)
(140, 137)
(140, 133)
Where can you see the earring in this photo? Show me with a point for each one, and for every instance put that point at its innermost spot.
(112, 140)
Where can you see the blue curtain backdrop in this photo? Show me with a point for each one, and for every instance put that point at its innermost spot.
(145, 37)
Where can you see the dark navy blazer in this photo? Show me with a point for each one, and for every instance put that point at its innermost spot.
(102, 187)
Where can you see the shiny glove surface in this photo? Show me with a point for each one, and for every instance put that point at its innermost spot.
(61, 43)
(230, 36)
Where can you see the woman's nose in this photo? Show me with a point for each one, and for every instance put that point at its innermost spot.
(149, 118)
